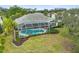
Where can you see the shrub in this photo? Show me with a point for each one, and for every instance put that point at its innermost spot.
(17, 39)
(53, 31)
(65, 31)
(2, 41)
(1, 49)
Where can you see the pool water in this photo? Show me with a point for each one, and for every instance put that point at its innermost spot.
(28, 32)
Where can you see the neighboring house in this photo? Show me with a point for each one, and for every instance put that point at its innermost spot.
(52, 15)
(35, 20)
(58, 18)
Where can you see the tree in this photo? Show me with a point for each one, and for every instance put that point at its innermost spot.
(16, 12)
(45, 11)
(8, 25)
(3, 11)
(72, 22)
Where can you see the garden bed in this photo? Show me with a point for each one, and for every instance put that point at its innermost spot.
(20, 42)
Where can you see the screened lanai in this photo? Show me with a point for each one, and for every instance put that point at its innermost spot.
(35, 20)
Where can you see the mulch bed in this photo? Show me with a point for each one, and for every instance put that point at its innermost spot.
(22, 40)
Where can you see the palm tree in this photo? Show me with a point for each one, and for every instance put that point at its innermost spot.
(9, 27)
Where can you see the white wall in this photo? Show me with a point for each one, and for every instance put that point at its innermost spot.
(53, 16)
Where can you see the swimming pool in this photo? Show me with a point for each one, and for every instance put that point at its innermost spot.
(28, 32)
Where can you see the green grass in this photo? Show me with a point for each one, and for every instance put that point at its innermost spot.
(40, 43)
(64, 31)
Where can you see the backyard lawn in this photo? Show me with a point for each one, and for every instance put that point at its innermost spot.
(41, 43)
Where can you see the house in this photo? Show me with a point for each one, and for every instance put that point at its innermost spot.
(52, 15)
(35, 20)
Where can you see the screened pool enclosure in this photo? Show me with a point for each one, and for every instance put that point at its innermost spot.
(34, 21)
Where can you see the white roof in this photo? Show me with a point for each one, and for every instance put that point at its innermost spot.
(32, 18)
